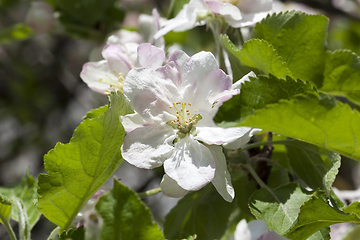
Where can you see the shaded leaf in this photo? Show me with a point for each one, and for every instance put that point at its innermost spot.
(73, 234)
(125, 216)
(204, 213)
(316, 166)
(78, 169)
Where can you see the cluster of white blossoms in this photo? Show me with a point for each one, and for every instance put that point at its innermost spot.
(175, 103)
(237, 13)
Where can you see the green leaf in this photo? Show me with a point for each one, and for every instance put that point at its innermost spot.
(320, 120)
(316, 214)
(259, 92)
(280, 207)
(125, 216)
(342, 75)
(78, 169)
(322, 234)
(73, 234)
(258, 54)
(5, 208)
(204, 213)
(316, 166)
(300, 40)
(25, 192)
(96, 112)
(17, 32)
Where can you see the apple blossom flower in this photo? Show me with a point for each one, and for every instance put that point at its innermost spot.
(237, 13)
(255, 230)
(173, 123)
(123, 52)
(108, 75)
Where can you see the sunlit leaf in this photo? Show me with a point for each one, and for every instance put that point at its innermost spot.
(300, 39)
(25, 191)
(279, 207)
(342, 75)
(5, 208)
(258, 54)
(316, 214)
(78, 169)
(317, 167)
(320, 120)
(259, 92)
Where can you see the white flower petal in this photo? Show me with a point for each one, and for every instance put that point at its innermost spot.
(237, 85)
(122, 36)
(222, 179)
(231, 138)
(254, 11)
(150, 94)
(245, 138)
(170, 188)
(192, 165)
(132, 121)
(98, 76)
(150, 56)
(147, 147)
(242, 232)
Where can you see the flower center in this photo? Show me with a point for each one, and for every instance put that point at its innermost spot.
(114, 85)
(185, 119)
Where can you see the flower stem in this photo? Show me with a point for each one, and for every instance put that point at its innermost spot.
(8, 227)
(149, 192)
(258, 144)
(257, 178)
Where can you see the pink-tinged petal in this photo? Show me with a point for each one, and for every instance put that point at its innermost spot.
(170, 71)
(179, 57)
(257, 228)
(214, 6)
(202, 79)
(272, 236)
(98, 76)
(191, 165)
(148, 147)
(150, 56)
(132, 121)
(222, 179)
(170, 188)
(118, 59)
(150, 94)
(231, 138)
(149, 25)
